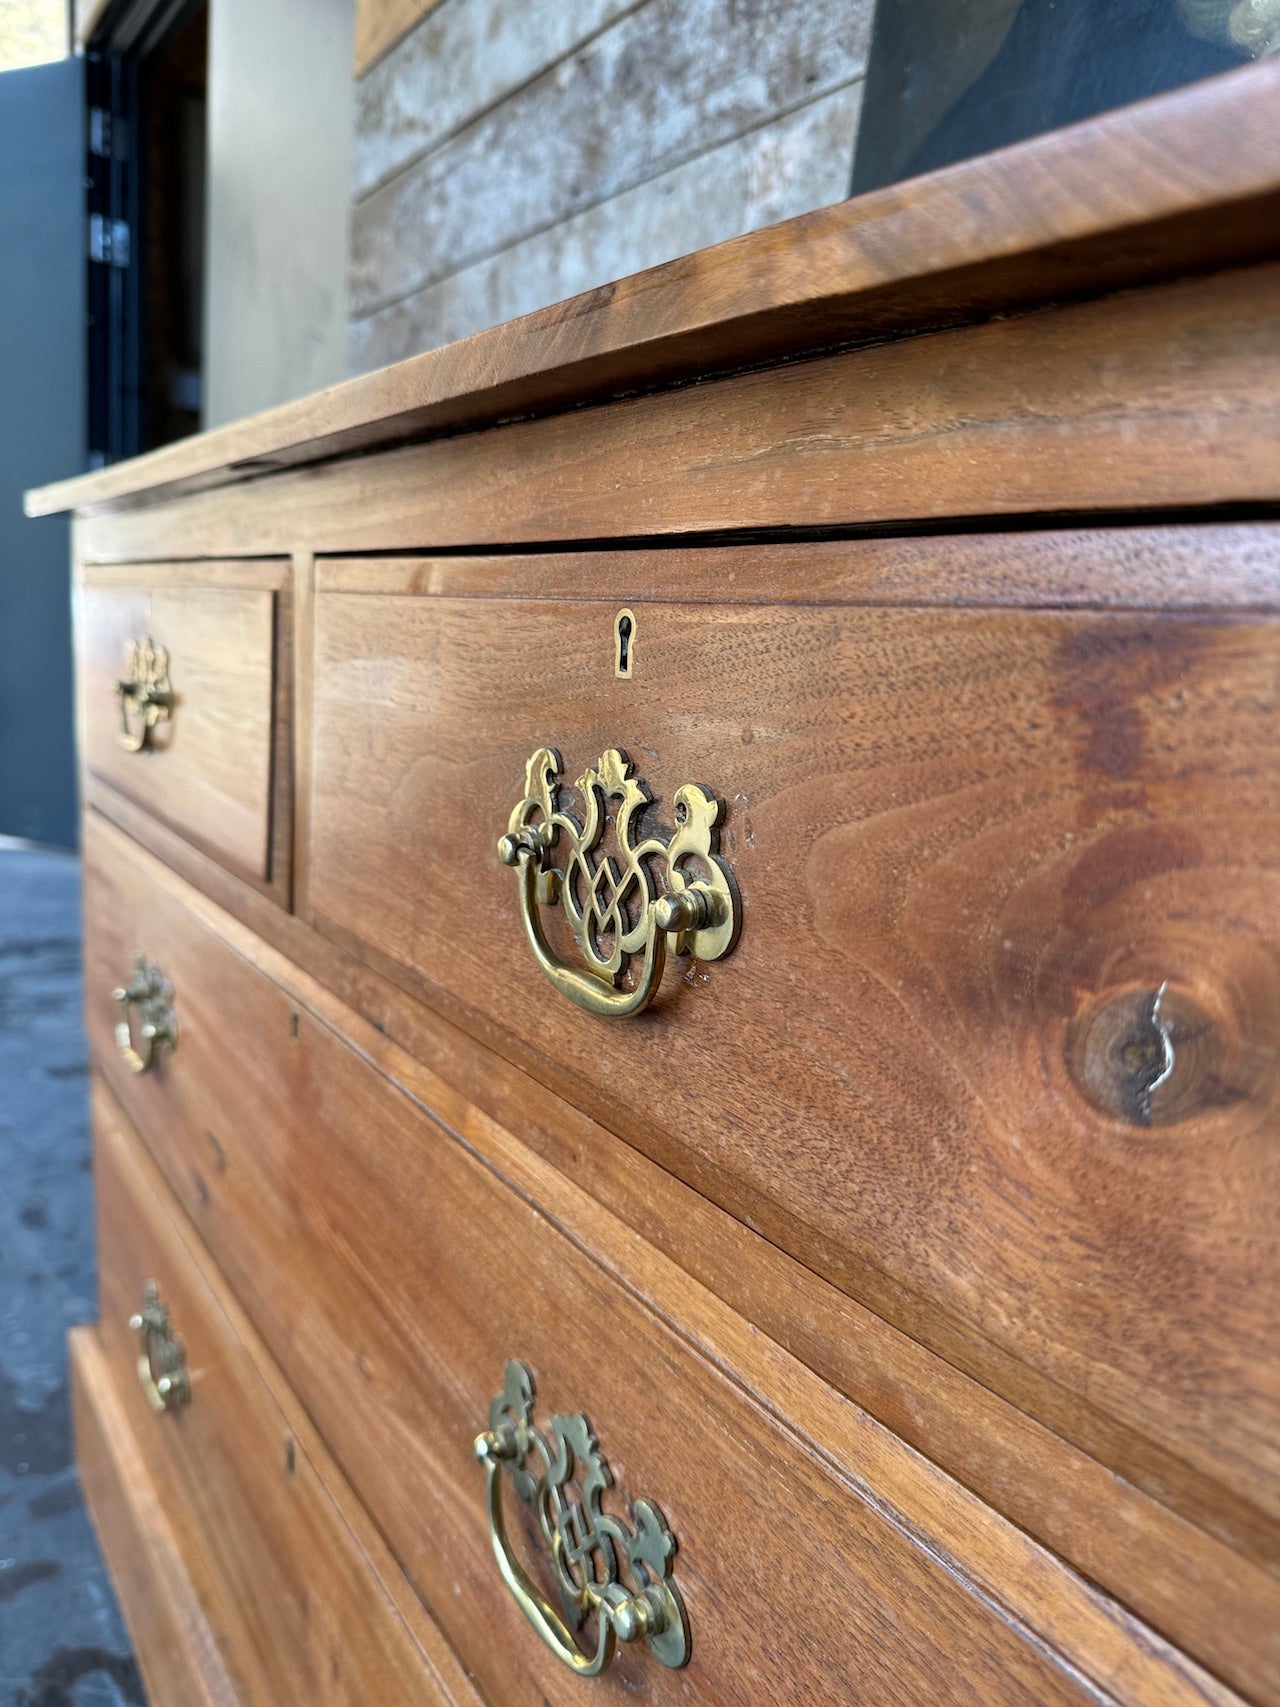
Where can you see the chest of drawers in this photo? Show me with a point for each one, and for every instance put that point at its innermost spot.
(683, 970)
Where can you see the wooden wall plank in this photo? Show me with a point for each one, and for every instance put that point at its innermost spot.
(381, 23)
(799, 162)
(1167, 397)
(662, 85)
(457, 63)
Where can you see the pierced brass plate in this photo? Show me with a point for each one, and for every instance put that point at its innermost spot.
(151, 993)
(618, 1572)
(144, 692)
(162, 1358)
(616, 912)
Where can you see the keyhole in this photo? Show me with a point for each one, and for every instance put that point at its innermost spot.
(624, 630)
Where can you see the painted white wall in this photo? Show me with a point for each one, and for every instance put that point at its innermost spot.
(279, 174)
(32, 32)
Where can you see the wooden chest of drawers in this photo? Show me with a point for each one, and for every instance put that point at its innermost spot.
(744, 911)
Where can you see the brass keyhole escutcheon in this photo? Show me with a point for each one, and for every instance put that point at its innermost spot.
(624, 643)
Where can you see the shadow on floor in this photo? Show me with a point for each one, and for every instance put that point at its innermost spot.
(62, 1640)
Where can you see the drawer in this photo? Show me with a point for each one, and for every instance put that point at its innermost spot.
(193, 737)
(995, 1049)
(177, 1651)
(393, 1271)
(274, 1548)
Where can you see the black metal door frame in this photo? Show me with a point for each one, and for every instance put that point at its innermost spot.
(116, 167)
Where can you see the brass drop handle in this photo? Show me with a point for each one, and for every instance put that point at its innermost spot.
(144, 692)
(151, 993)
(605, 1567)
(615, 914)
(162, 1357)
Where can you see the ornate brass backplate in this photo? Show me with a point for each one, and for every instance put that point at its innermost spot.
(615, 911)
(144, 692)
(151, 993)
(162, 1358)
(603, 1566)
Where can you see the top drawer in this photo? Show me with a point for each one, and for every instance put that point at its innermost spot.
(995, 1049)
(178, 685)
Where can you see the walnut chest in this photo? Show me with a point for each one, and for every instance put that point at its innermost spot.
(683, 969)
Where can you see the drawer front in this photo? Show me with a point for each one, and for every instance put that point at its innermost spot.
(995, 1049)
(290, 1595)
(393, 1273)
(177, 1651)
(202, 762)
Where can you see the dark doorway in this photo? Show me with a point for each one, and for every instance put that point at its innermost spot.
(147, 81)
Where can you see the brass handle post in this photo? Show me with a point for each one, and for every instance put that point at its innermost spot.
(151, 994)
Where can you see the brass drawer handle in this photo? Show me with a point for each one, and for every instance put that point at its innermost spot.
(151, 993)
(162, 1357)
(616, 914)
(144, 692)
(604, 1566)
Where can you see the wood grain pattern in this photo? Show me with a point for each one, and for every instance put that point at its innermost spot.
(1166, 397)
(380, 24)
(1184, 183)
(209, 769)
(1176, 1576)
(302, 1592)
(389, 1326)
(1185, 1581)
(919, 811)
(177, 1651)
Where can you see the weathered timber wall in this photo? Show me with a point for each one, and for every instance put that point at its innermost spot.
(509, 153)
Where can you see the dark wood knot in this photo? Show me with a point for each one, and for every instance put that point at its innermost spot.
(1145, 1056)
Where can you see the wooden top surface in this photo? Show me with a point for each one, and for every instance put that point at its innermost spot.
(1187, 182)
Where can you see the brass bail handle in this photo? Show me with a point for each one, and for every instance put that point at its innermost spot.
(151, 994)
(492, 1449)
(617, 916)
(162, 1357)
(619, 1572)
(144, 692)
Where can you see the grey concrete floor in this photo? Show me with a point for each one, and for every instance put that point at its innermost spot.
(62, 1640)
